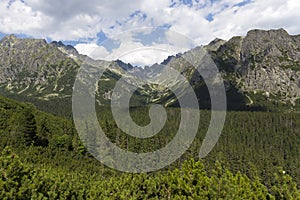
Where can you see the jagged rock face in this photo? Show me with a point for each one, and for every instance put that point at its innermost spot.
(215, 44)
(26, 63)
(68, 49)
(270, 60)
(34, 68)
(264, 61)
(228, 54)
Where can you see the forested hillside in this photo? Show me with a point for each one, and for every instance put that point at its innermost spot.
(257, 157)
(22, 181)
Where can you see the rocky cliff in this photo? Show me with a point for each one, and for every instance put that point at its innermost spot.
(262, 62)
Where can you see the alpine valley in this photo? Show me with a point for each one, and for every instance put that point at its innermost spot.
(261, 71)
(256, 157)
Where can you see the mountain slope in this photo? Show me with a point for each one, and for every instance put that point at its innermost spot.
(44, 74)
(263, 65)
(261, 71)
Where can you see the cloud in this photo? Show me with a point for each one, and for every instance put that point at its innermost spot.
(267, 14)
(199, 20)
(134, 51)
(16, 17)
(92, 50)
(138, 54)
(145, 57)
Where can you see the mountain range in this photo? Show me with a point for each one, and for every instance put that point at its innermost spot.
(261, 71)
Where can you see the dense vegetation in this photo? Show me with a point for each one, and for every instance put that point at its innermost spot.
(257, 157)
(22, 181)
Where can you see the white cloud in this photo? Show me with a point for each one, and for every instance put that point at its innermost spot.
(92, 50)
(74, 20)
(144, 56)
(267, 14)
(191, 22)
(138, 54)
(19, 18)
(131, 52)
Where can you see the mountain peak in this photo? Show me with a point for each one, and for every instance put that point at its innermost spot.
(123, 65)
(58, 44)
(272, 32)
(10, 37)
(7, 40)
(215, 44)
(14, 41)
(68, 49)
(216, 40)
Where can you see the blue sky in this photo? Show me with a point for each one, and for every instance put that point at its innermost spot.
(110, 29)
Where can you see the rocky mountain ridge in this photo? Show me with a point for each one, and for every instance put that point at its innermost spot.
(261, 69)
(265, 62)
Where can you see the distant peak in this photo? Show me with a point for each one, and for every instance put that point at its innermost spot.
(167, 60)
(68, 49)
(61, 44)
(216, 40)
(123, 65)
(10, 37)
(58, 44)
(272, 31)
(11, 40)
(282, 30)
(215, 44)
